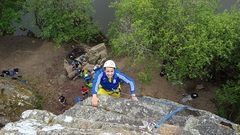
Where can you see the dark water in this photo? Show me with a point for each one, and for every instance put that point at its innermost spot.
(103, 17)
(27, 22)
(226, 4)
(104, 14)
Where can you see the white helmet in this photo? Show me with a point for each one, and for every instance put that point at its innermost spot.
(109, 63)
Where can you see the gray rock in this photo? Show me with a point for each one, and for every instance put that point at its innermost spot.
(122, 116)
(97, 54)
(15, 97)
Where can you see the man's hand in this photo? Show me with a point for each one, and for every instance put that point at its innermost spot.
(95, 100)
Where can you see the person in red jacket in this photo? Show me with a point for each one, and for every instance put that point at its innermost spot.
(84, 91)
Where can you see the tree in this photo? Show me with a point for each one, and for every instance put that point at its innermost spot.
(228, 98)
(130, 33)
(195, 41)
(63, 20)
(10, 11)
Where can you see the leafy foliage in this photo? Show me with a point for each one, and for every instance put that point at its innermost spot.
(129, 34)
(39, 102)
(195, 41)
(10, 11)
(63, 20)
(228, 99)
(144, 77)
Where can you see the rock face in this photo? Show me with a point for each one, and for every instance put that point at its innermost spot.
(97, 54)
(15, 97)
(94, 56)
(122, 117)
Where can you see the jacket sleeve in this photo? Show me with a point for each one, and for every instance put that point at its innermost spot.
(96, 81)
(127, 80)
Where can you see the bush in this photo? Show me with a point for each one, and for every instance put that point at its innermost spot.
(39, 102)
(228, 99)
(195, 41)
(130, 34)
(63, 20)
(10, 11)
(146, 70)
(144, 77)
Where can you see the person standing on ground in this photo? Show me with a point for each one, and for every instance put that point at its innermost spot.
(107, 81)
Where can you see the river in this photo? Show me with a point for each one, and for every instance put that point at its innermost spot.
(103, 17)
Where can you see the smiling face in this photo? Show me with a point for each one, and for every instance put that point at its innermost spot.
(109, 72)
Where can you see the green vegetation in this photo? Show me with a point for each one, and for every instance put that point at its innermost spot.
(39, 102)
(10, 11)
(229, 101)
(145, 71)
(144, 77)
(194, 40)
(15, 97)
(63, 20)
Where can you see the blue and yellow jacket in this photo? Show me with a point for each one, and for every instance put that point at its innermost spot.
(101, 78)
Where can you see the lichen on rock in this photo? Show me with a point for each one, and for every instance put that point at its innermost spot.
(15, 97)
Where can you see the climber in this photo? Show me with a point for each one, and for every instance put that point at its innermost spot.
(107, 81)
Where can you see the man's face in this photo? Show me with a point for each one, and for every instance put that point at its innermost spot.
(109, 72)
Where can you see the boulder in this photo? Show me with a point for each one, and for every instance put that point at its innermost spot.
(15, 97)
(122, 116)
(70, 70)
(97, 54)
(87, 61)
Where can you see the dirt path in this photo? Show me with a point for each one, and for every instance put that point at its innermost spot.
(42, 65)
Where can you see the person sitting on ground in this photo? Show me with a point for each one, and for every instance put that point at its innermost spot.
(84, 91)
(107, 81)
(13, 73)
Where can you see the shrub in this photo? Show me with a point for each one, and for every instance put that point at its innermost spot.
(144, 77)
(63, 20)
(195, 40)
(228, 98)
(10, 11)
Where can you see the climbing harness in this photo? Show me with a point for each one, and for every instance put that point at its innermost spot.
(103, 91)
